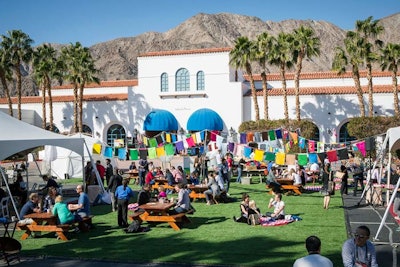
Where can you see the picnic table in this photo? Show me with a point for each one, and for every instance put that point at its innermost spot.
(157, 212)
(288, 186)
(133, 175)
(43, 222)
(197, 191)
(250, 170)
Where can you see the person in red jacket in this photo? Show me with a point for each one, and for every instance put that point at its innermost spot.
(101, 170)
(149, 180)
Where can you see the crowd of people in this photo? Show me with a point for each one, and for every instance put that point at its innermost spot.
(357, 250)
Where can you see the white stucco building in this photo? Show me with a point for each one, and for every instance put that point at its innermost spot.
(183, 82)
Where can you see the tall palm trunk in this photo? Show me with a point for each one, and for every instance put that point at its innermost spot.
(51, 115)
(395, 91)
(284, 90)
(299, 66)
(253, 92)
(265, 94)
(19, 89)
(356, 78)
(44, 117)
(370, 90)
(7, 92)
(80, 106)
(76, 108)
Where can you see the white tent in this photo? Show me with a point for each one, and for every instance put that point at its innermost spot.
(67, 162)
(392, 142)
(17, 136)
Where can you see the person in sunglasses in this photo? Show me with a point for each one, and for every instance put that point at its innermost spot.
(359, 251)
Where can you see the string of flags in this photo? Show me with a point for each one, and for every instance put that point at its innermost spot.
(272, 145)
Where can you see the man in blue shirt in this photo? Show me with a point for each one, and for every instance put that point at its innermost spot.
(29, 207)
(83, 206)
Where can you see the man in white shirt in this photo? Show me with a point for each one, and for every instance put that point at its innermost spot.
(313, 259)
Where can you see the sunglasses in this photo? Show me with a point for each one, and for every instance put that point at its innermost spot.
(360, 236)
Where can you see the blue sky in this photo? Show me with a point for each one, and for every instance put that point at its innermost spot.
(95, 21)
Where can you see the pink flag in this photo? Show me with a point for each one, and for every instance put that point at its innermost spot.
(361, 148)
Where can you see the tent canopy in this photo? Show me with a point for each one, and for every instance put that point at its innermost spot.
(18, 136)
(205, 119)
(394, 138)
(160, 120)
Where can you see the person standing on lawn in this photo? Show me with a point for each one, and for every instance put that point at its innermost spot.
(115, 181)
(123, 194)
(314, 258)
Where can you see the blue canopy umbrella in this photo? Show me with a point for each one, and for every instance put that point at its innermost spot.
(205, 119)
(160, 120)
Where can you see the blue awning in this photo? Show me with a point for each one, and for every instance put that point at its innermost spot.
(205, 119)
(160, 120)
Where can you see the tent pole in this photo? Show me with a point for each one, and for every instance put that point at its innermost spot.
(9, 192)
(385, 143)
(99, 181)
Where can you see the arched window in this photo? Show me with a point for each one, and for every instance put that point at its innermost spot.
(344, 136)
(200, 81)
(182, 80)
(86, 129)
(116, 131)
(164, 82)
(55, 129)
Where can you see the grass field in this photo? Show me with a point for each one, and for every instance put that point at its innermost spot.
(212, 238)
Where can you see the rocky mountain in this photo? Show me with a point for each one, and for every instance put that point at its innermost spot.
(117, 59)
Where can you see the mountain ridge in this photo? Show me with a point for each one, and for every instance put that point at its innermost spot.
(117, 59)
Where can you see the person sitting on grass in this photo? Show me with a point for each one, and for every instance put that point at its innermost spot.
(253, 208)
(279, 207)
(244, 209)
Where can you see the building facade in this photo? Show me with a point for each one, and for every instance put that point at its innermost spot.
(184, 82)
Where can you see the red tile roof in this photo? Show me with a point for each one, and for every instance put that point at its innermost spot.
(327, 90)
(186, 52)
(317, 75)
(92, 98)
(121, 83)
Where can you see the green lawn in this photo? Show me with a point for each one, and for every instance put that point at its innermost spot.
(212, 237)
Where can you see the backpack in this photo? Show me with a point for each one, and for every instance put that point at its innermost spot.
(134, 227)
(254, 219)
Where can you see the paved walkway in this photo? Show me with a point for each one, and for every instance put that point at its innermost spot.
(357, 213)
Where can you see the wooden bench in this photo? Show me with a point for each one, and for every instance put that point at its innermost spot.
(60, 230)
(287, 188)
(172, 220)
(292, 188)
(166, 186)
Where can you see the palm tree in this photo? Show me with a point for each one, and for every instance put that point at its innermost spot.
(88, 72)
(369, 30)
(351, 54)
(264, 42)
(390, 60)
(6, 75)
(281, 56)
(305, 44)
(78, 67)
(44, 59)
(18, 47)
(242, 56)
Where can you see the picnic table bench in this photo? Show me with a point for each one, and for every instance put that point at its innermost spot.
(157, 212)
(47, 222)
(287, 186)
